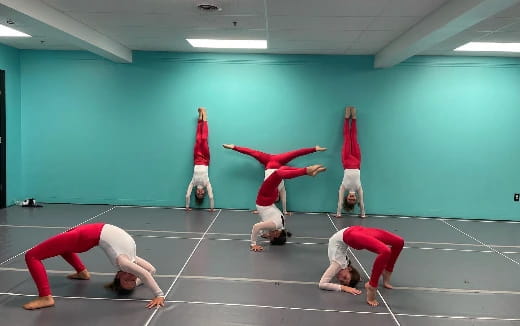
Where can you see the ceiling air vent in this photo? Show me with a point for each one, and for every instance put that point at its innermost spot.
(209, 6)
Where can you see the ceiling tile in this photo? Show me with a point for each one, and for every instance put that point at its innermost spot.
(502, 37)
(458, 40)
(403, 8)
(393, 23)
(377, 36)
(102, 21)
(493, 24)
(513, 12)
(315, 35)
(319, 22)
(295, 26)
(177, 7)
(339, 8)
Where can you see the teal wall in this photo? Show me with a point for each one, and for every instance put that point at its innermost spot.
(438, 134)
(10, 62)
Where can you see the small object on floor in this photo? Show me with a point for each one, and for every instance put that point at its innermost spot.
(29, 202)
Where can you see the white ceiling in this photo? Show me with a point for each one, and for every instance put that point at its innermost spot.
(345, 27)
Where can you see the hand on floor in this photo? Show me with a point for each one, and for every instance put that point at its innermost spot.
(256, 248)
(156, 302)
(350, 290)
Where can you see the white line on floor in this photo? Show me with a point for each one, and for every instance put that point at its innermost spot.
(34, 226)
(183, 266)
(261, 280)
(342, 311)
(148, 207)
(71, 297)
(248, 235)
(320, 243)
(293, 242)
(277, 307)
(460, 244)
(433, 218)
(482, 243)
(93, 217)
(418, 288)
(459, 317)
(348, 215)
(203, 303)
(323, 243)
(272, 307)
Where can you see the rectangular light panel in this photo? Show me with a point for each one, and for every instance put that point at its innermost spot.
(489, 47)
(228, 44)
(9, 32)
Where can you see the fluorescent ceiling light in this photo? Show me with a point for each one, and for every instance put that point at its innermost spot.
(227, 44)
(489, 47)
(9, 32)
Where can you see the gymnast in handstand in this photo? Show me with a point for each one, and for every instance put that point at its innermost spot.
(201, 158)
(351, 159)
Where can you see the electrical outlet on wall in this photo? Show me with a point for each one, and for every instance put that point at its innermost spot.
(516, 197)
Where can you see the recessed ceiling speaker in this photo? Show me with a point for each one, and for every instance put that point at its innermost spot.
(209, 5)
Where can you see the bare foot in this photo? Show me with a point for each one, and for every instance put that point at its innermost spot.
(347, 112)
(41, 302)
(83, 275)
(204, 114)
(353, 112)
(311, 168)
(386, 279)
(320, 169)
(320, 149)
(228, 146)
(371, 295)
(255, 212)
(315, 169)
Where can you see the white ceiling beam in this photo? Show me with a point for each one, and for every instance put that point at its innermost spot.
(77, 33)
(450, 19)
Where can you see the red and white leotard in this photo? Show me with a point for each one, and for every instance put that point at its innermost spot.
(201, 159)
(385, 244)
(272, 162)
(116, 243)
(200, 179)
(272, 218)
(351, 161)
